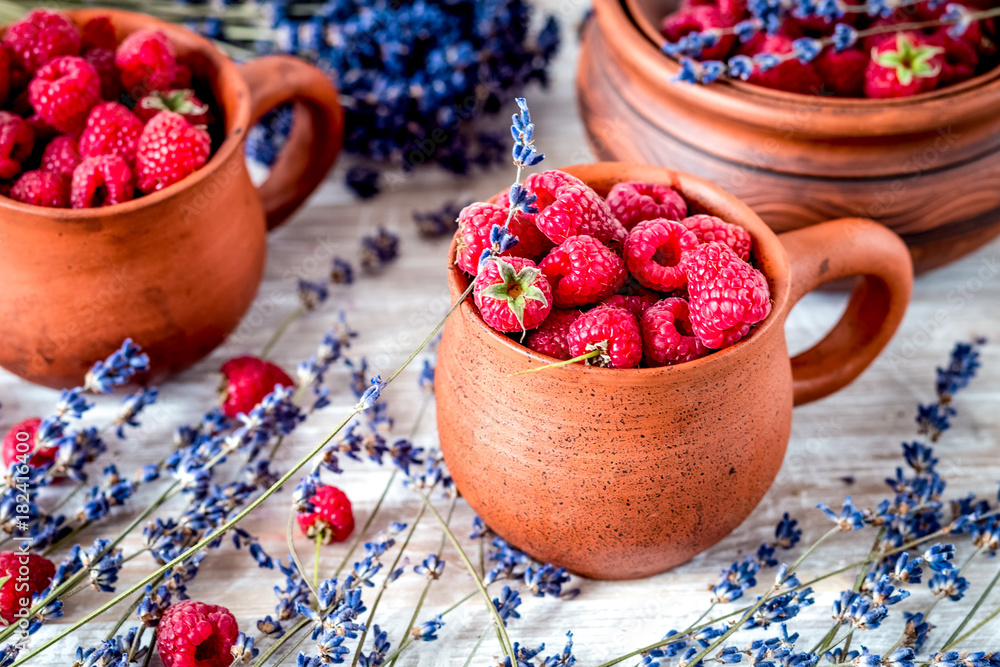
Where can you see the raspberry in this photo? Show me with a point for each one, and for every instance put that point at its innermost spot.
(103, 60)
(64, 91)
(512, 294)
(550, 337)
(42, 188)
(103, 180)
(196, 634)
(61, 156)
(582, 270)
(26, 574)
(475, 223)
(567, 208)
(733, 10)
(700, 18)
(146, 61)
(667, 338)
(960, 57)
(903, 65)
(169, 149)
(111, 129)
(332, 519)
(4, 74)
(39, 37)
(181, 101)
(637, 304)
(17, 140)
(728, 296)
(247, 381)
(98, 33)
(181, 77)
(634, 202)
(653, 251)
(20, 440)
(613, 332)
(792, 75)
(710, 228)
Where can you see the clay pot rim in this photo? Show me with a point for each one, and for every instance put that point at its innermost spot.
(237, 119)
(755, 104)
(691, 188)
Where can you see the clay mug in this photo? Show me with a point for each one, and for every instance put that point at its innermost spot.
(174, 270)
(620, 474)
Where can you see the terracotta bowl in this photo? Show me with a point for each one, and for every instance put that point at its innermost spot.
(928, 167)
(174, 270)
(619, 474)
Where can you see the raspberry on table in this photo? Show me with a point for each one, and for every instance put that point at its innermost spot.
(637, 304)
(633, 202)
(61, 156)
(64, 91)
(581, 270)
(727, 295)
(111, 129)
(169, 150)
(21, 440)
(667, 336)
(17, 141)
(475, 223)
(247, 380)
(41, 188)
(512, 294)
(26, 574)
(653, 252)
(147, 62)
(103, 180)
(550, 336)
(39, 37)
(710, 228)
(332, 518)
(196, 634)
(613, 332)
(566, 209)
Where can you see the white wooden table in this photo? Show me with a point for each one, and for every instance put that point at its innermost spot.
(855, 433)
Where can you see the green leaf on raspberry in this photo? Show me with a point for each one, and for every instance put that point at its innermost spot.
(909, 60)
(516, 288)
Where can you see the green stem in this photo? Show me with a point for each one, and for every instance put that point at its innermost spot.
(280, 331)
(152, 647)
(295, 629)
(976, 628)
(319, 543)
(972, 613)
(582, 357)
(475, 649)
(293, 552)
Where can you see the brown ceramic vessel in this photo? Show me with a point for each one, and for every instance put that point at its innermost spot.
(174, 270)
(619, 474)
(928, 167)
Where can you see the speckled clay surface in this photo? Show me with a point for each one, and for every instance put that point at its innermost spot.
(620, 474)
(174, 270)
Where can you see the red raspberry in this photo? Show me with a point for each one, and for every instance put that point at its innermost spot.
(512, 294)
(637, 304)
(26, 574)
(103, 180)
(653, 253)
(475, 223)
(792, 75)
(146, 61)
(169, 150)
(181, 101)
(582, 270)
(710, 228)
(111, 129)
(196, 634)
(39, 37)
(247, 381)
(64, 91)
(733, 10)
(700, 18)
(181, 77)
(61, 156)
(550, 337)
(960, 58)
(332, 519)
(728, 296)
(903, 65)
(569, 209)
(42, 188)
(20, 440)
(634, 202)
(4, 73)
(843, 72)
(103, 60)
(612, 331)
(667, 338)
(98, 33)
(17, 140)
(554, 179)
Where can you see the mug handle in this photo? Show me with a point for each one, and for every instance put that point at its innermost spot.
(839, 249)
(316, 135)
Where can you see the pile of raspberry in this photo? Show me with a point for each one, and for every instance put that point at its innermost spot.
(88, 121)
(636, 279)
(886, 65)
